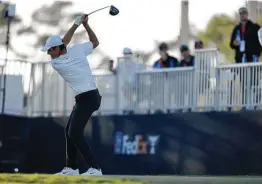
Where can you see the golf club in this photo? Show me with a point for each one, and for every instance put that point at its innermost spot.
(112, 11)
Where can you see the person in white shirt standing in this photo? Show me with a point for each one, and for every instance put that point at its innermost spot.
(72, 65)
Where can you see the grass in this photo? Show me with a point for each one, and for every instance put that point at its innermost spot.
(48, 179)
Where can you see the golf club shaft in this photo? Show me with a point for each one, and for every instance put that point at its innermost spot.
(98, 10)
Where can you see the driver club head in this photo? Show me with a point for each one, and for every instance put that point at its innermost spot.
(113, 10)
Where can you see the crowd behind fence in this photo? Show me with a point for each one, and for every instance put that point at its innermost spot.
(208, 86)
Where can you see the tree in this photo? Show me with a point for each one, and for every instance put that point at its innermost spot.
(47, 20)
(218, 32)
(47, 17)
(259, 19)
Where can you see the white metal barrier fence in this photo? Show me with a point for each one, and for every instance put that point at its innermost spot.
(206, 86)
(206, 61)
(140, 91)
(159, 90)
(21, 68)
(238, 86)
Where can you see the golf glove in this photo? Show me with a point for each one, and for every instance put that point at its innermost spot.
(78, 20)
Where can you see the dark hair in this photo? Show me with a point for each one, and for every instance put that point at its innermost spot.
(243, 10)
(61, 47)
(184, 48)
(199, 43)
(163, 46)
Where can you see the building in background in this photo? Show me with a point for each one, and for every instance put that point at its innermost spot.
(254, 8)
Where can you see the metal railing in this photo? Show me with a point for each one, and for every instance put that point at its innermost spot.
(206, 61)
(159, 90)
(238, 86)
(140, 91)
(18, 67)
(206, 86)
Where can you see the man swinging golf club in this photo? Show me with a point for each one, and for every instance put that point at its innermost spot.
(72, 65)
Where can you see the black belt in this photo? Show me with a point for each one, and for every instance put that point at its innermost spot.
(85, 94)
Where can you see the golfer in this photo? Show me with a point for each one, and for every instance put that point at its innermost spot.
(72, 65)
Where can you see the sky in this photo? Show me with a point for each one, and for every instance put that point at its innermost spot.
(140, 23)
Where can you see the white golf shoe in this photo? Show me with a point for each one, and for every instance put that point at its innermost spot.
(93, 172)
(68, 171)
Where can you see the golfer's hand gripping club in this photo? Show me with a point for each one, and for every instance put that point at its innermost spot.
(84, 19)
(81, 19)
(78, 20)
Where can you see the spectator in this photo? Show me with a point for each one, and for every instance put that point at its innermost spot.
(127, 51)
(245, 42)
(244, 39)
(188, 59)
(199, 44)
(111, 67)
(166, 61)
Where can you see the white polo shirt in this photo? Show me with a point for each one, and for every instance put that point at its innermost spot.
(74, 68)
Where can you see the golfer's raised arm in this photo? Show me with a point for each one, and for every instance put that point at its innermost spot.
(68, 36)
(90, 32)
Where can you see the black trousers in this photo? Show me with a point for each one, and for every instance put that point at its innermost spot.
(86, 104)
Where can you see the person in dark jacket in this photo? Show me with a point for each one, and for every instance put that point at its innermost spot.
(165, 61)
(245, 42)
(244, 39)
(187, 58)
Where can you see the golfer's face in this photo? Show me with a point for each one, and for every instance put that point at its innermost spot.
(53, 52)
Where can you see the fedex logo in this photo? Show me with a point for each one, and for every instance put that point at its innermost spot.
(138, 145)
